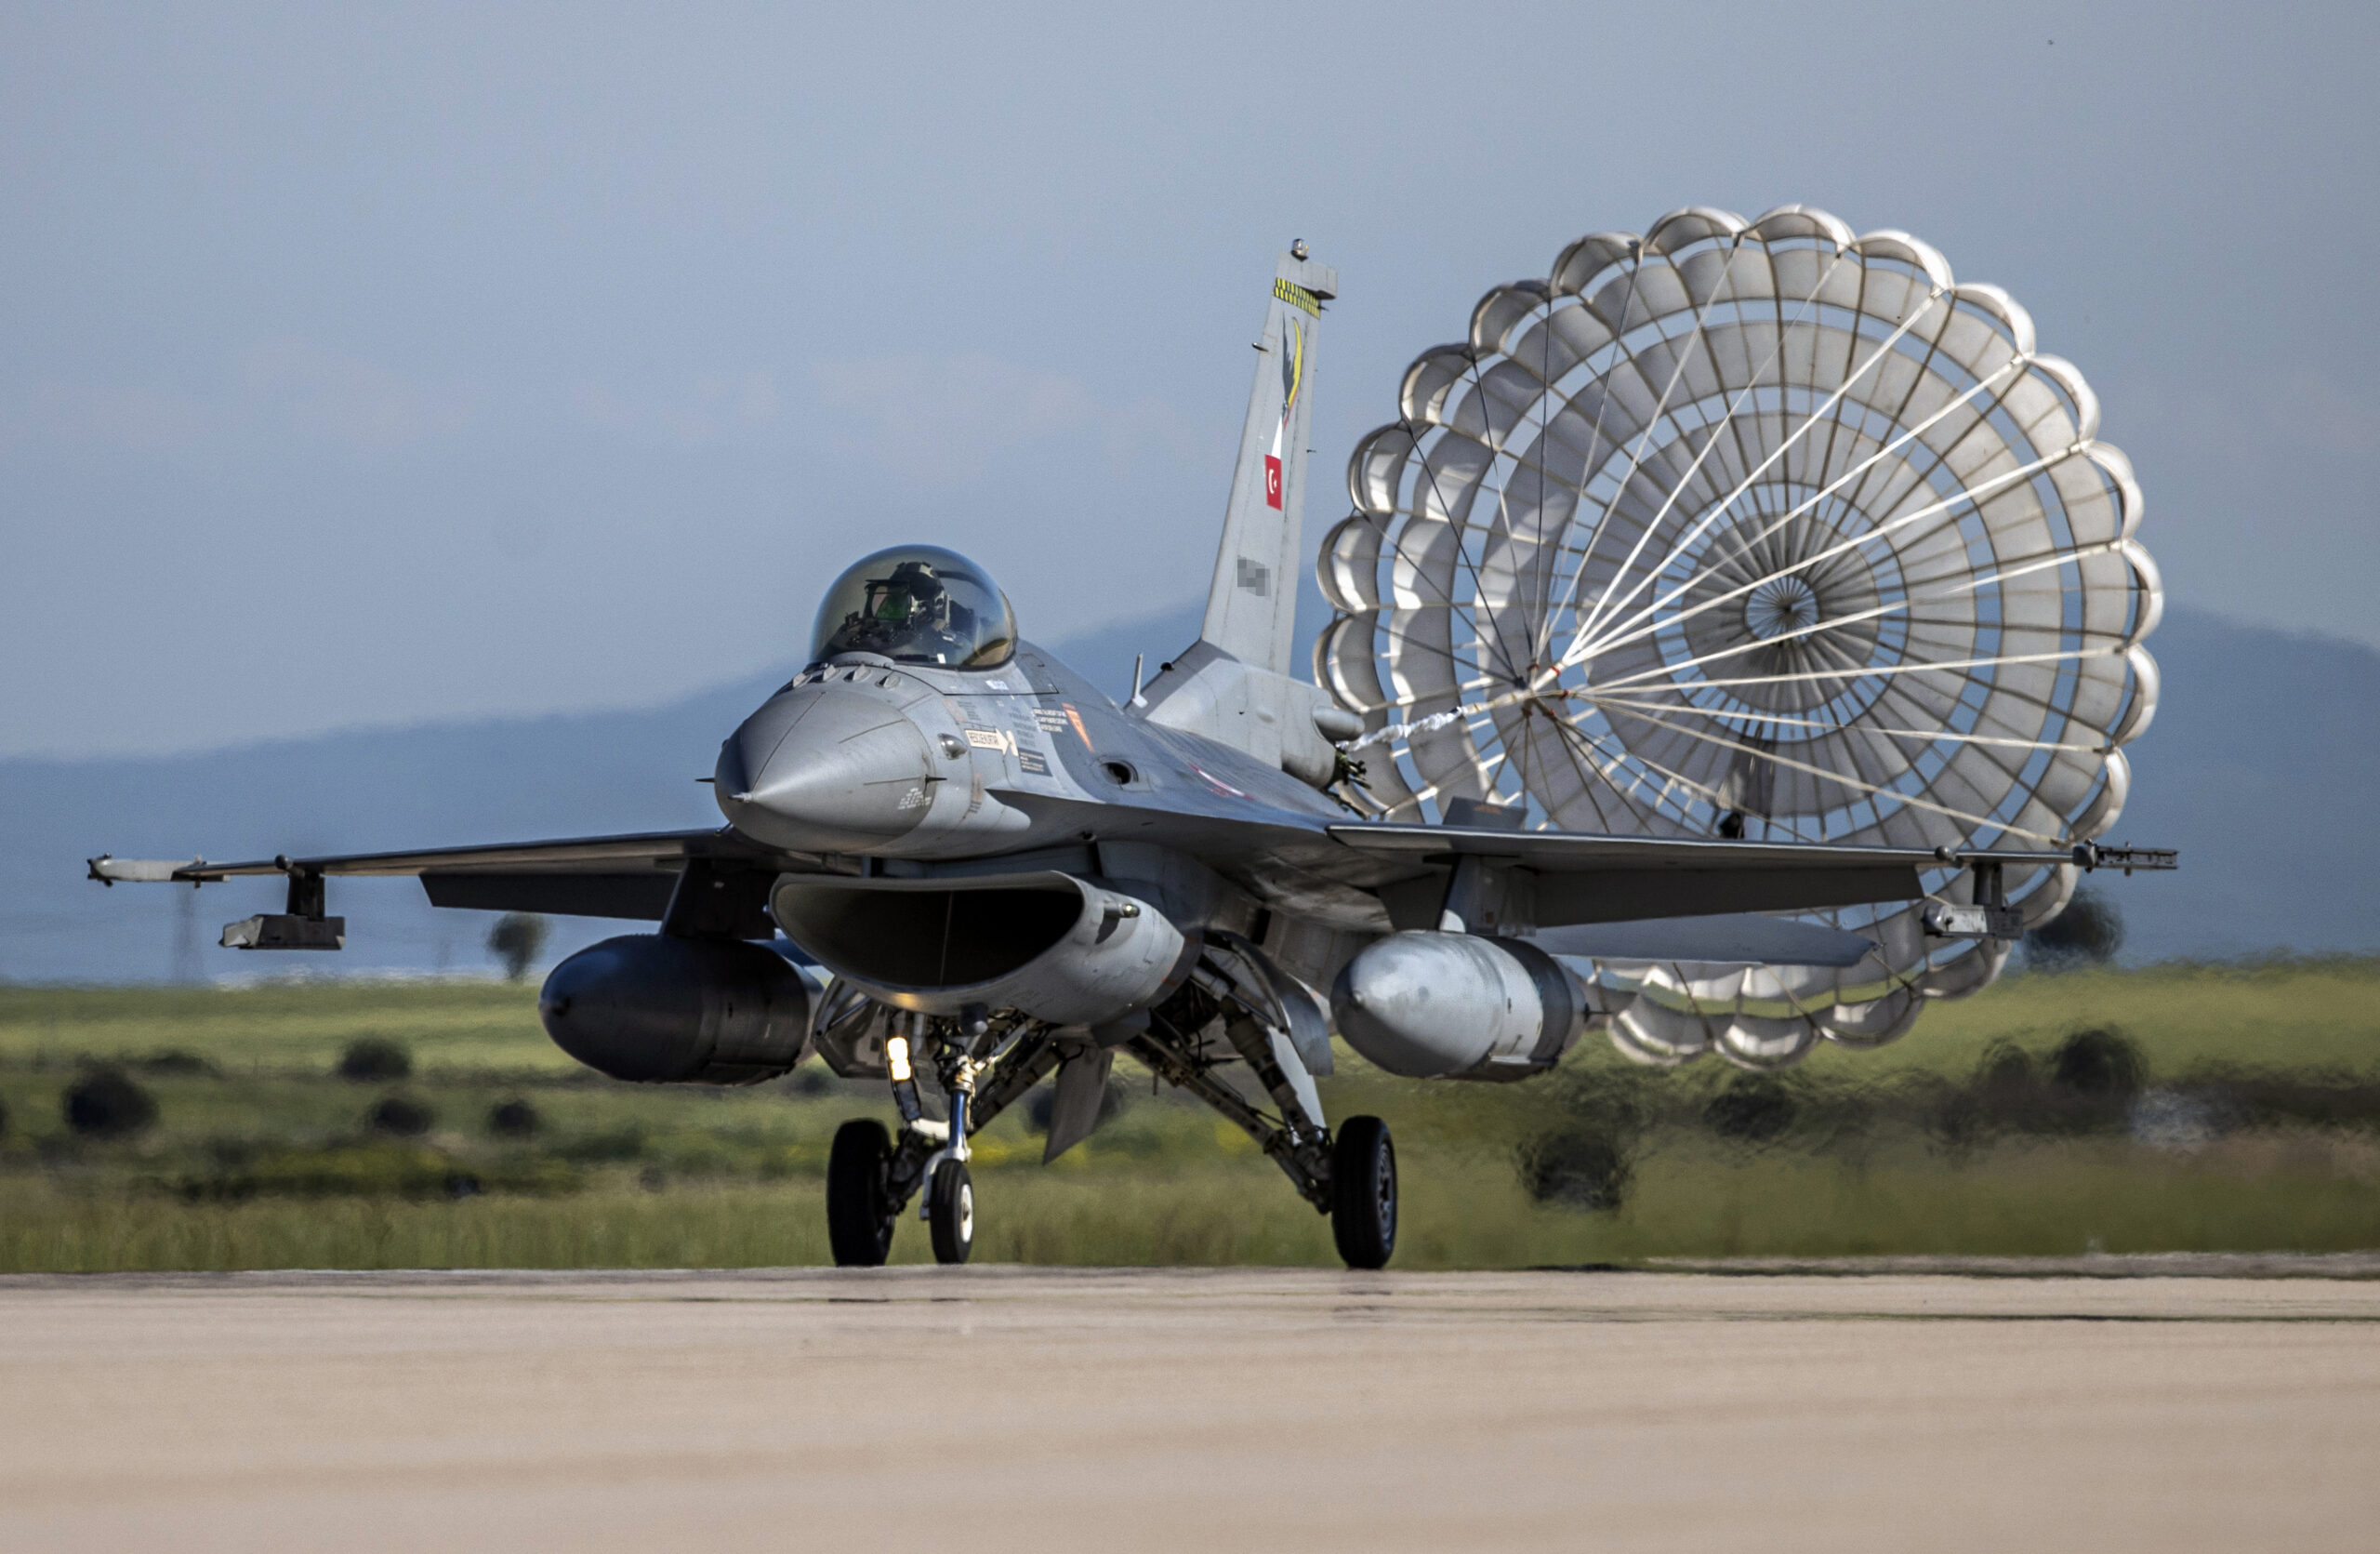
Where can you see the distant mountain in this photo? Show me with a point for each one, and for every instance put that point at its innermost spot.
(2259, 734)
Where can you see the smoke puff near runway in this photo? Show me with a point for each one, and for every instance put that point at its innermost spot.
(998, 1409)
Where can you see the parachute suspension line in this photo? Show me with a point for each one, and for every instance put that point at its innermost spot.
(1477, 682)
(1589, 760)
(1504, 521)
(1971, 496)
(1534, 711)
(1501, 449)
(1545, 559)
(1897, 692)
(1880, 671)
(1660, 409)
(1607, 602)
(1479, 587)
(1497, 451)
(1843, 779)
(1927, 736)
(1545, 639)
(1895, 606)
(1592, 775)
(1621, 350)
(1472, 713)
(1726, 420)
(1671, 778)
(1471, 710)
(1860, 470)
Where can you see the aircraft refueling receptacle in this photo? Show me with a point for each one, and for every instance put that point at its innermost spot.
(1667, 695)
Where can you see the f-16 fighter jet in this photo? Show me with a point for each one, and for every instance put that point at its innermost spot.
(953, 866)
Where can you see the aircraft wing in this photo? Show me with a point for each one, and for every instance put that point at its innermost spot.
(1318, 863)
(629, 876)
(1583, 877)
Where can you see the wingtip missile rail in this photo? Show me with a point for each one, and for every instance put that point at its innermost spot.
(306, 926)
(111, 871)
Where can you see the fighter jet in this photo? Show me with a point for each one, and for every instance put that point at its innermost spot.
(953, 866)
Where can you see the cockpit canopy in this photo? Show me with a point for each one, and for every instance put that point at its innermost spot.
(917, 604)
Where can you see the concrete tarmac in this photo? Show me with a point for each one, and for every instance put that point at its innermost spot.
(999, 1409)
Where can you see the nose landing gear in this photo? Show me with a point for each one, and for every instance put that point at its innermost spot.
(984, 1068)
(950, 1212)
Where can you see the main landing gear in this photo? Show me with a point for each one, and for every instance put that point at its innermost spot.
(1363, 1192)
(860, 1207)
(1190, 1042)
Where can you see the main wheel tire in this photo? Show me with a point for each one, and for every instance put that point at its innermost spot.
(859, 1219)
(950, 1212)
(1363, 1192)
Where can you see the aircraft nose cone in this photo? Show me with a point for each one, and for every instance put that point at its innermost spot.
(823, 769)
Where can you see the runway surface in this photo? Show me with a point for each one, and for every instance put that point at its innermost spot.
(1035, 1409)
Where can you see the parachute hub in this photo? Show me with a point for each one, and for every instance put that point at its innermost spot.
(1781, 605)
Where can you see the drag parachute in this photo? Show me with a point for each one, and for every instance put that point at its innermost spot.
(1760, 529)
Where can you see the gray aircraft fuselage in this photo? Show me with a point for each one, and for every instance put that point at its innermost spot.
(919, 767)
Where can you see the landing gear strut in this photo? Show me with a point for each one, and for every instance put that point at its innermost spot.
(1352, 1177)
(1211, 1022)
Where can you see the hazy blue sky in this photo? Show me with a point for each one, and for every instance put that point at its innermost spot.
(364, 364)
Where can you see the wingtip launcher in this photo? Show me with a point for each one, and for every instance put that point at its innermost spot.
(111, 871)
(306, 926)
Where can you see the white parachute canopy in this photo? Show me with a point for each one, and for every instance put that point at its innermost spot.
(1762, 529)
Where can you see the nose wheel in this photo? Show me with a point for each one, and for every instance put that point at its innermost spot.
(950, 1212)
(1363, 1192)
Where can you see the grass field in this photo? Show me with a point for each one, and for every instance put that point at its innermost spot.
(260, 1156)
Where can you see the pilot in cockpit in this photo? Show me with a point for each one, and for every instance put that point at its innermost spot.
(911, 613)
(930, 606)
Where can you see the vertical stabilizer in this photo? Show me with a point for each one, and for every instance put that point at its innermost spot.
(1252, 606)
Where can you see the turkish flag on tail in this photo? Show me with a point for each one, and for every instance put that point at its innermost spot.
(1272, 482)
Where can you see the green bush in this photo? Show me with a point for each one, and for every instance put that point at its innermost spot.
(1576, 1167)
(1753, 1108)
(2098, 1063)
(108, 1103)
(374, 1060)
(401, 1117)
(512, 1119)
